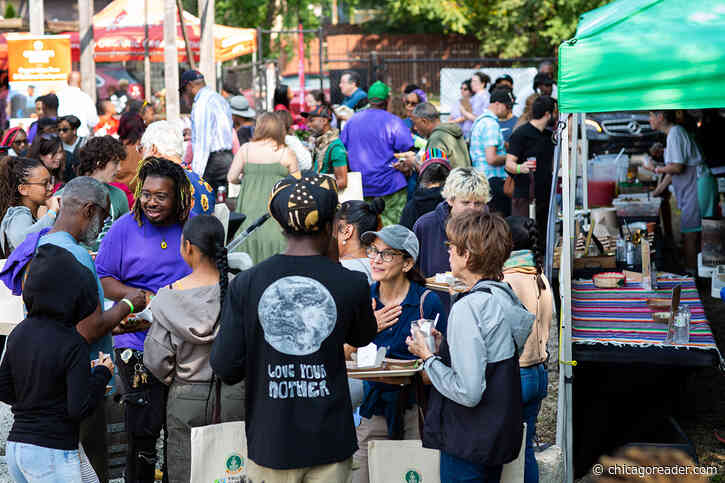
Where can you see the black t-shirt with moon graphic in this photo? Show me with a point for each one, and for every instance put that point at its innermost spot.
(283, 327)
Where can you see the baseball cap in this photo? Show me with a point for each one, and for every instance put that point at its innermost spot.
(542, 79)
(397, 237)
(378, 91)
(503, 96)
(319, 111)
(240, 107)
(433, 156)
(189, 76)
(304, 202)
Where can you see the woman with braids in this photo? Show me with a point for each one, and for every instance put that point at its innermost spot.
(48, 148)
(142, 250)
(26, 204)
(523, 272)
(100, 159)
(177, 347)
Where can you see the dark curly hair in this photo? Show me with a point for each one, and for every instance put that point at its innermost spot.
(525, 236)
(98, 152)
(206, 233)
(164, 168)
(14, 171)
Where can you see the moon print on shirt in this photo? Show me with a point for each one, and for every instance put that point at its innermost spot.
(297, 314)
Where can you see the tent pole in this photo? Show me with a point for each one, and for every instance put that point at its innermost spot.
(88, 66)
(206, 45)
(171, 61)
(564, 418)
(189, 57)
(585, 159)
(146, 57)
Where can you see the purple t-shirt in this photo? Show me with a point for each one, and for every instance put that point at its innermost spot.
(133, 255)
(371, 137)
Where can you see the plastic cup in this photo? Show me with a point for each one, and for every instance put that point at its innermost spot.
(532, 159)
(426, 326)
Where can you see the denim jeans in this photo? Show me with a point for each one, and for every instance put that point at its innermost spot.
(534, 384)
(456, 470)
(28, 463)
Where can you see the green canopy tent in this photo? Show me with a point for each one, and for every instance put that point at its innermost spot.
(627, 55)
(645, 54)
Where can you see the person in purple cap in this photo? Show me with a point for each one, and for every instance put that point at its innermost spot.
(373, 137)
(212, 129)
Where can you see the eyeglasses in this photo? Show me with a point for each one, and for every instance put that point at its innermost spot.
(158, 198)
(64, 129)
(387, 255)
(411, 103)
(47, 183)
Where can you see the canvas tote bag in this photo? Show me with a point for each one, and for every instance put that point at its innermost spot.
(219, 451)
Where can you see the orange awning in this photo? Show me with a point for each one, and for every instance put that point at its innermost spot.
(119, 34)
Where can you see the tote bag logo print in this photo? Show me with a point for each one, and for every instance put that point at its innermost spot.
(234, 464)
(412, 476)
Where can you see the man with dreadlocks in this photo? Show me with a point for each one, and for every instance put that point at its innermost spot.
(141, 250)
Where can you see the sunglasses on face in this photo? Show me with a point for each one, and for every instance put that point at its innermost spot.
(64, 129)
(20, 141)
(411, 103)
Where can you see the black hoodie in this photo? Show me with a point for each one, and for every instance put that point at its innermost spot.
(45, 375)
(424, 201)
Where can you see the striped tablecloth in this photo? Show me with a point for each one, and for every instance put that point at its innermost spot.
(621, 316)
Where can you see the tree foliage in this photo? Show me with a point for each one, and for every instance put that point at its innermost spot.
(506, 28)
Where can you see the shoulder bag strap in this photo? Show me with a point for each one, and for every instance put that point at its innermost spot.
(422, 300)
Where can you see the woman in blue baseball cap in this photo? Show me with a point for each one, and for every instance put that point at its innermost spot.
(399, 298)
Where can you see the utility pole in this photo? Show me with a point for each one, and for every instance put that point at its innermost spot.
(207, 65)
(171, 61)
(146, 56)
(88, 64)
(37, 17)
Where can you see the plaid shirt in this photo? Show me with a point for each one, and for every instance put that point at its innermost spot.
(486, 132)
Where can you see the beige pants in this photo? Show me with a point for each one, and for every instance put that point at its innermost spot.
(334, 472)
(377, 428)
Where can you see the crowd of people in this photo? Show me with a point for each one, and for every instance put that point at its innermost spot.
(126, 216)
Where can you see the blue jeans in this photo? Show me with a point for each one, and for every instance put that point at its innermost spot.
(534, 384)
(28, 463)
(456, 470)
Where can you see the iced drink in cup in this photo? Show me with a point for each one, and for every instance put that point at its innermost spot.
(426, 327)
(533, 160)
